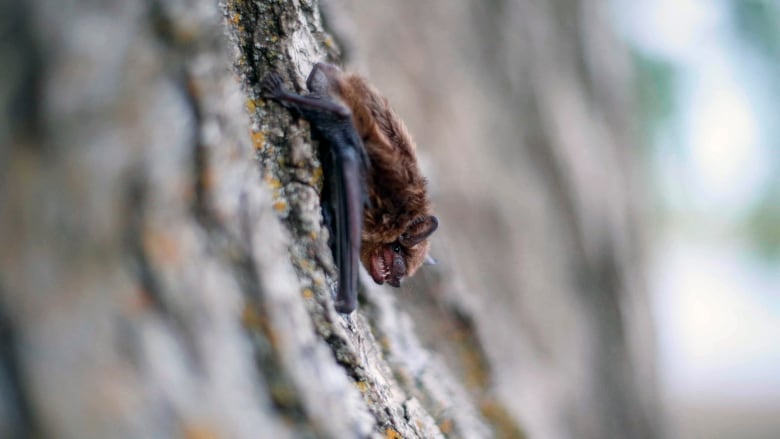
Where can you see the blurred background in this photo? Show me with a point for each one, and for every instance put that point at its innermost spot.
(708, 87)
(606, 174)
(701, 82)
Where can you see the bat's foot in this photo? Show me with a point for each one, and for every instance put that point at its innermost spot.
(272, 86)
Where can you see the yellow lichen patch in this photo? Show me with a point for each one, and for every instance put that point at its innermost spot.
(476, 375)
(502, 422)
(273, 183)
(253, 320)
(251, 106)
(197, 431)
(392, 434)
(250, 318)
(308, 293)
(329, 42)
(185, 35)
(235, 18)
(258, 139)
(362, 386)
(312, 235)
(316, 176)
(446, 426)
(305, 264)
(283, 394)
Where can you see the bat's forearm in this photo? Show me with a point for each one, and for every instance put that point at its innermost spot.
(309, 103)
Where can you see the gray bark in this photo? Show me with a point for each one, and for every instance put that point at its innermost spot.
(165, 271)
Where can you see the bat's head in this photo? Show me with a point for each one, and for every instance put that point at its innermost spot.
(323, 78)
(391, 262)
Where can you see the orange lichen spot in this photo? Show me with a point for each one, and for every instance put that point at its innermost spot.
(362, 386)
(198, 431)
(308, 293)
(305, 264)
(258, 139)
(392, 434)
(280, 206)
(273, 183)
(446, 426)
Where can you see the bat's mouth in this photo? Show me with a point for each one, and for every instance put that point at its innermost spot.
(382, 267)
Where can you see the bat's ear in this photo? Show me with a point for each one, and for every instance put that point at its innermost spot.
(419, 229)
(321, 77)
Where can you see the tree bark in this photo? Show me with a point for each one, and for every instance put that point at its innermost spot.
(165, 271)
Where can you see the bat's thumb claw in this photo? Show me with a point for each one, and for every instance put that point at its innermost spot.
(271, 85)
(429, 260)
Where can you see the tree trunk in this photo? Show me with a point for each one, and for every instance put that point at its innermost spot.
(165, 271)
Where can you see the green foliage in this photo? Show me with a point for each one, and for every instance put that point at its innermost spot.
(758, 23)
(655, 84)
(763, 227)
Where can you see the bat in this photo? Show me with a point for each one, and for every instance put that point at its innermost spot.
(345, 162)
(373, 176)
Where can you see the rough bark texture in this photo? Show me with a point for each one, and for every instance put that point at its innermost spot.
(164, 268)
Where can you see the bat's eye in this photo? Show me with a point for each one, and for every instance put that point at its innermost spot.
(397, 248)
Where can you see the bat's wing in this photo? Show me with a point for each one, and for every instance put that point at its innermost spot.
(348, 202)
(345, 189)
(344, 198)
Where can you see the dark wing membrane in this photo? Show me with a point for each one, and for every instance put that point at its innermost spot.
(349, 203)
(346, 184)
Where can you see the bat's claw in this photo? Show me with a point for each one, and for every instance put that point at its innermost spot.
(272, 86)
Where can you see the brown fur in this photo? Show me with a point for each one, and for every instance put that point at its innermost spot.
(396, 187)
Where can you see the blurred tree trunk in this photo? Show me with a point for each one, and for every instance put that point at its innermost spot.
(525, 109)
(149, 289)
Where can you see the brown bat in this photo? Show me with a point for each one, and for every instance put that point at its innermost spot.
(373, 155)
